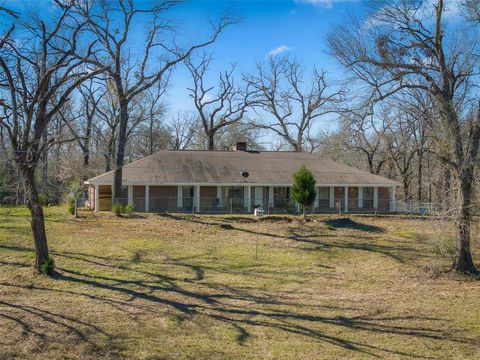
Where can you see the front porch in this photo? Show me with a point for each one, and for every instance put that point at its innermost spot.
(244, 199)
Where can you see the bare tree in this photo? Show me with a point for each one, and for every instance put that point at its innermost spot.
(398, 132)
(216, 110)
(400, 47)
(280, 91)
(364, 135)
(82, 127)
(155, 112)
(106, 128)
(111, 22)
(182, 131)
(471, 9)
(420, 110)
(39, 74)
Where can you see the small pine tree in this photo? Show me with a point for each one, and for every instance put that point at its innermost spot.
(303, 190)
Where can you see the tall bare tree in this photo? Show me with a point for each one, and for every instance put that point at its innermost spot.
(398, 134)
(39, 74)
(419, 109)
(220, 109)
(82, 128)
(364, 134)
(132, 73)
(155, 112)
(182, 131)
(408, 45)
(279, 90)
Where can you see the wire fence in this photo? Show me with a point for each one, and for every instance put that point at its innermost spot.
(236, 205)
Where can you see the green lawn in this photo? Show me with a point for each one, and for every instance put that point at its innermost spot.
(189, 287)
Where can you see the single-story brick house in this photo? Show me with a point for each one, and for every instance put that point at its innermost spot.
(239, 181)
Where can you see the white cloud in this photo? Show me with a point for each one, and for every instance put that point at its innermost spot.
(323, 3)
(278, 50)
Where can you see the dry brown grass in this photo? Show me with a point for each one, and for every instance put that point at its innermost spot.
(181, 287)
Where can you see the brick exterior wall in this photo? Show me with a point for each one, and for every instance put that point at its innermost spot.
(383, 199)
(208, 198)
(139, 197)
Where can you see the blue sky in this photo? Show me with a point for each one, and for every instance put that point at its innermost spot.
(298, 27)
(293, 27)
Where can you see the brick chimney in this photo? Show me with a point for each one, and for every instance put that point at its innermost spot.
(240, 146)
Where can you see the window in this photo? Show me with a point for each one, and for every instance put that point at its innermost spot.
(281, 192)
(235, 192)
(323, 193)
(187, 192)
(323, 197)
(368, 197)
(368, 193)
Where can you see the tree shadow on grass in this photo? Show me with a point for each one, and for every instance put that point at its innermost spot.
(235, 306)
(152, 293)
(44, 327)
(321, 241)
(347, 223)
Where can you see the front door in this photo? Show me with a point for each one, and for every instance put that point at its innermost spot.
(258, 197)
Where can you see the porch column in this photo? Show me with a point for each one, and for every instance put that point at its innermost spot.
(316, 202)
(375, 197)
(331, 197)
(393, 200)
(346, 199)
(179, 197)
(247, 198)
(97, 205)
(219, 196)
(130, 194)
(360, 197)
(147, 198)
(270, 196)
(196, 197)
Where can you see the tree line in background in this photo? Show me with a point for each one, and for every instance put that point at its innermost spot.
(80, 95)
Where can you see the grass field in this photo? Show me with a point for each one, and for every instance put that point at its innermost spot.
(189, 287)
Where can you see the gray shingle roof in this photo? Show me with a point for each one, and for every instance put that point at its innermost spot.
(226, 167)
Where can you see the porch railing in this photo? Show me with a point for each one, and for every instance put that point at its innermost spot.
(235, 205)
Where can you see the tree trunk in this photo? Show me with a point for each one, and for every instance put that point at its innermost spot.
(465, 177)
(430, 177)
(446, 184)
(420, 176)
(44, 167)
(38, 219)
(17, 186)
(108, 163)
(370, 164)
(406, 188)
(211, 141)
(150, 145)
(463, 260)
(122, 140)
(86, 147)
(86, 158)
(109, 154)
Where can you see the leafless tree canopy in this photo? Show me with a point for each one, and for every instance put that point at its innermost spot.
(217, 106)
(131, 74)
(289, 104)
